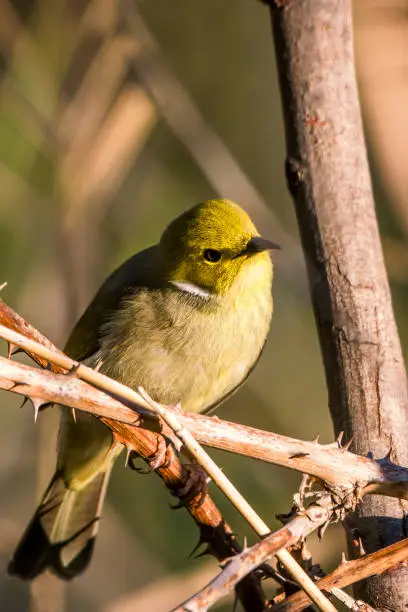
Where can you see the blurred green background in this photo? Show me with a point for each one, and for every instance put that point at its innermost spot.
(115, 116)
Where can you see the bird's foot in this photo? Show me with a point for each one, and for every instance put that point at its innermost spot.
(157, 460)
(195, 487)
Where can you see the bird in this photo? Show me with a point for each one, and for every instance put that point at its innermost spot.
(187, 320)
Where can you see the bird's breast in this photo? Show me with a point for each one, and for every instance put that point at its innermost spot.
(181, 349)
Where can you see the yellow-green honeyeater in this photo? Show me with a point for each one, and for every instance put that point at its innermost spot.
(185, 319)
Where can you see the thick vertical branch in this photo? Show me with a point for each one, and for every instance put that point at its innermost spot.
(329, 179)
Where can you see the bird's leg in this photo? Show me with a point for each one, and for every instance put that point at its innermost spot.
(157, 460)
(195, 486)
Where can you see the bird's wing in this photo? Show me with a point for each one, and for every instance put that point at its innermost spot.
(134, 273)
(62, 532)
(83, 443)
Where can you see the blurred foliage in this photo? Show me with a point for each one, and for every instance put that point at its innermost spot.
(91, 172)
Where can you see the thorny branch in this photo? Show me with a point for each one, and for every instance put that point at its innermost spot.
(125, 393)
(294, 531)
(300, 524)
(215, 533)
(241, 504)
(344, 477)
(350, 572)
(339, 469)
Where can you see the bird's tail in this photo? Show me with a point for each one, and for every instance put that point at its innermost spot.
(61, 535)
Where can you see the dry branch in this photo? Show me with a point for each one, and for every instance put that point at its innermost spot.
(294, 531)
(125, 393)
(341, 471)
(240, 503)
(214, 531)
(349, 572)
(49, 386)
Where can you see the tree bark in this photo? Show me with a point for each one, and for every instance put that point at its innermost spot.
(328, 176)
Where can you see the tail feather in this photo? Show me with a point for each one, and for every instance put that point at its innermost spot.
(61, 535)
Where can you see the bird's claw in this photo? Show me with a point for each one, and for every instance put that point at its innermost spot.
(194, 488)
(154, 462)
(131, 457)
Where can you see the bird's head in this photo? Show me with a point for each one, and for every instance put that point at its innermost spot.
(206, 249)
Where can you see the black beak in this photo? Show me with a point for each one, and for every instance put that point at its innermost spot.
(257, 244)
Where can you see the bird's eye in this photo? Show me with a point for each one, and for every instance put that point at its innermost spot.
(212, 255)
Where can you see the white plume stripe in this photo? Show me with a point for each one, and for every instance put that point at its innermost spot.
(192, 288)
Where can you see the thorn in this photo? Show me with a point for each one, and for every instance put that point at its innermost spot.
(3, 285)
(347, 445)
(25, 400)
(73, 414)
(316, 438)
(128, 453)
(322, 529)
(37, 403)
(201, 541)
(131, 454)
(362, 550)
(340, 438)
(73, 370)
(357, 542)
(98, 365)
(388, 455)
(343, 558)
(206, 551)
(10, 349)
(17, 350)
